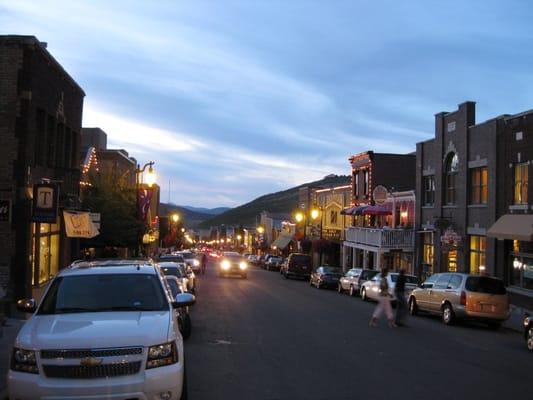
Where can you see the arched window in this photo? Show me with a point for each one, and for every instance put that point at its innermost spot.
(450, 172)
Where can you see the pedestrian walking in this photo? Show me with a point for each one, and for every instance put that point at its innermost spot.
(401, 303)
(203, 263)
(384, 305)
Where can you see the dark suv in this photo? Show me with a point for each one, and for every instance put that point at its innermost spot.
(297, 265)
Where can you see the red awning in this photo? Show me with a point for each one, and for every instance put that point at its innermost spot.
(377, 210)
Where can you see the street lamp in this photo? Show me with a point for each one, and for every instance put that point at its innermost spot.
(299, 216)
(150, 180)
(175, 218)
(260, 230)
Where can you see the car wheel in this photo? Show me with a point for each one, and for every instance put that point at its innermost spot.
(448, 316)
(352, 291)
(413, 308)
(529, 340)
(339, 288)
(363, 295)
(185, 326)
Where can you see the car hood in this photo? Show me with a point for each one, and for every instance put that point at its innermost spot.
(95, 330)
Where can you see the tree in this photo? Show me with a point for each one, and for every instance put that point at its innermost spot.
(117, 205)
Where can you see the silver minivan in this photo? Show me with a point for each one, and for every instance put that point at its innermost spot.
(462, 296)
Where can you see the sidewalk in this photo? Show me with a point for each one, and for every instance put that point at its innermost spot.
(8, 333)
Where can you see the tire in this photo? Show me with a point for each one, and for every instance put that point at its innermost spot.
(339, 288)
(186, 326)
(448, 316)
(352, 291)
(413, 308)
(363, 295)
(529, 338)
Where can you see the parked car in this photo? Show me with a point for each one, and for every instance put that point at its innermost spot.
(180, 271)
(191, 260)
(462, 296)
(106, 329)
(264, 259)
(528, 332)
(252, 258)
(233, 264)
(370, 289)
(325, 276)
(353, 279)
(297, 265)
(175, 285)
(274, 263)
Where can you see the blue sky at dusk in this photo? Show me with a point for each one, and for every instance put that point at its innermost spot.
(235, 99)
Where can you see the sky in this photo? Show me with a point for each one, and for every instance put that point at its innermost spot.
(235, 99)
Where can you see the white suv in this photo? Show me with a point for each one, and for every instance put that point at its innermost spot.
(104, 330)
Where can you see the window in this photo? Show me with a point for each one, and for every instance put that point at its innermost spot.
(478, 185)
(366, 188)
(428, 251)
(442, 282)
(333, 217)
(451, 126)
(356, 184)
(45, 249)
(455, 282)
(520, 183)
(452, 261)
(478, 247)
(521, 268)
(429, 190)
(450, 171)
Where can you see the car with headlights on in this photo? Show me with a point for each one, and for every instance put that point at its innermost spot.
(191, 260)
(233, 264)
(103, 330)
(325, 277)
(370, 289)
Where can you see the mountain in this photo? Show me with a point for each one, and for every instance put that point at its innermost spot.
(190, 218)
(280, 202)
(209, 211)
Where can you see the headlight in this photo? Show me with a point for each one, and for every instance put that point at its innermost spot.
(24, 361)
(196, 263)
(527, 320)
(243, 265)
(225, 265)
(161, 355)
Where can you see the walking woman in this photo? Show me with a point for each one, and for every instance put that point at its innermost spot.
(384, 305)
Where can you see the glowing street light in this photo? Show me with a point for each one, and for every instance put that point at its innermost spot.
(239, 237)
(175, 218)
(315, 213)
(150, 176)
(299, 217)
(260, 229)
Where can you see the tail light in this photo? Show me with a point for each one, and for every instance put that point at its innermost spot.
(463, 298)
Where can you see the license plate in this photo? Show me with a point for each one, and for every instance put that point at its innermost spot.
(488, 308)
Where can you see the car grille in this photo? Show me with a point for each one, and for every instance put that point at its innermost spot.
(82, 353)
(91, 372)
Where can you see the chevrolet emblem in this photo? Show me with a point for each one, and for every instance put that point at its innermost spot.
(91, 361)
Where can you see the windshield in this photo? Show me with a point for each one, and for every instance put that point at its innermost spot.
(234, 258)
(301, 259)
(172, 258)
(187, 256)
(104, 292)
(331, 270)
(173, 270)
(408, 278)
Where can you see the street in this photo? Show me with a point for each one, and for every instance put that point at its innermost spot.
(271, 338)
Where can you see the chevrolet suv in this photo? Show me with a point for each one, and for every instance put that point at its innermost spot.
(104, 330)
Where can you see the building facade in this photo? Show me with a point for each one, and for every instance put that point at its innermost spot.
(376, 238)
(40, 123)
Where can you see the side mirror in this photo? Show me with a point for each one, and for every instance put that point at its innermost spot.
(27, 305)
(184, 300)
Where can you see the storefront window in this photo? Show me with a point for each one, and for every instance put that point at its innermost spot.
(45, 252)
(520, 183)
(428, 250)
(477, 254)
(522, 271)
(452, 261)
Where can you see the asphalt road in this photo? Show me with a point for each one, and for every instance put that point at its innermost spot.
(268, 338)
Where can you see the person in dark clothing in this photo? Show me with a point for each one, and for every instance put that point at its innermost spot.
(401, 303)
(203, 263)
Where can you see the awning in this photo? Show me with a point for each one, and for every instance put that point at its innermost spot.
(282, 241)
(348, 211)
(377, 210)
(513, 227)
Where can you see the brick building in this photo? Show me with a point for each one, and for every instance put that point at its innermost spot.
(374, 240)
(40, 123)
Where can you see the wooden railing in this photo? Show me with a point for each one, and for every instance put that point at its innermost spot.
(384, 238)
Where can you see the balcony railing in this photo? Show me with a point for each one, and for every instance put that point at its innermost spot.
(383, 238)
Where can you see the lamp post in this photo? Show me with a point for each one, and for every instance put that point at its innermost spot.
(150, 180)
(317, 212)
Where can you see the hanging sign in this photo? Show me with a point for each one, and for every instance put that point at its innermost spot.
(144, 197)
(45, 203)
(380, 195)
(79, 225)
(450, 238)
